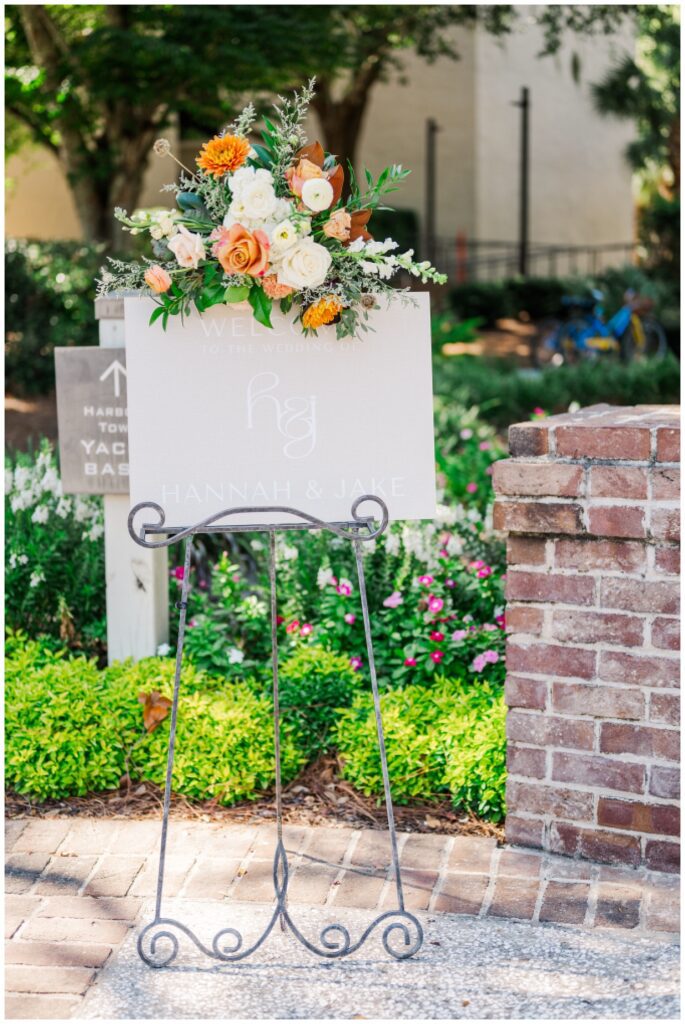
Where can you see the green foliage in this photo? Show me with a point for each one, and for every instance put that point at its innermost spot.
(55, 573)
(446, 738)
(505, 395)
(536, 298)
(72, 729)
(313, 684)
(49, 292)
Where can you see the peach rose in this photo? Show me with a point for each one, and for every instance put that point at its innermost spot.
(273, 289)
(305, 170)
(157, 278)
(243, 252)
(338, 225)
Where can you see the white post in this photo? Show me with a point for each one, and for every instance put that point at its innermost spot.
(137, 579)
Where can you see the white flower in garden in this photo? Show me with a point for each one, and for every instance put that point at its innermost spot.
(392, 544)
(304, 265)
(288, 552)
(23, 559)
(324, 578)
(445, 516)
(235, 656)
(96, 531)
(63, 508)
(13, 561)
(82, 510)
(187, 248)
(8, 480)
(163, 650)
(284, 235)
(37, 577)
(317, 194)
(40, 514)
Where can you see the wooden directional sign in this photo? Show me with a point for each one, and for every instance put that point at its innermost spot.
(92, 419)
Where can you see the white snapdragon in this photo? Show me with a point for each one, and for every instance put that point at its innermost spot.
(235, 656)
(324, 578)
(40, 514)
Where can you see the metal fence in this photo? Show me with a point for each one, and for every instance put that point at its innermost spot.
(466, 260)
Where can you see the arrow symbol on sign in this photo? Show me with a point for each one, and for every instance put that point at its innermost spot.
(115, 369)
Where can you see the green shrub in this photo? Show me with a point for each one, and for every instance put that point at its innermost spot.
(446, 738)
(50, 289)
(313, 684)
(504, 395)
(72, 729)
(55, 571)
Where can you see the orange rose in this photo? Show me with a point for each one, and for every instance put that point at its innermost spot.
(338, 225)
(157, 278)
(243, 251)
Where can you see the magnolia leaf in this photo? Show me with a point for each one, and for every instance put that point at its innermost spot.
(155, 709)
(314, 152)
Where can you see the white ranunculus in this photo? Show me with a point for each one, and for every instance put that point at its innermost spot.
(245, 177)
(317, 194)
(304, 265)
(284, 235)
(187, 248)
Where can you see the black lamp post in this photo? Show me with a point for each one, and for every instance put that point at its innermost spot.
(524, 181)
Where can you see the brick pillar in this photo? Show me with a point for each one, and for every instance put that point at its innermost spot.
(589, 501)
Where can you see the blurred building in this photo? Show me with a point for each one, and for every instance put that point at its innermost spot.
(581, 201)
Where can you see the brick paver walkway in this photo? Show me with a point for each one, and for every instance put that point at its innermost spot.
(76, 886)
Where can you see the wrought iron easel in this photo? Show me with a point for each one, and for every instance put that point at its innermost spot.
(227, 944)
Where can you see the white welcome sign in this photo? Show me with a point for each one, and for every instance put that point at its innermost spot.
(224, 412)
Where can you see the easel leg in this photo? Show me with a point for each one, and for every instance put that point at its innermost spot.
(379, 722)
(280, 860)
(183, 605)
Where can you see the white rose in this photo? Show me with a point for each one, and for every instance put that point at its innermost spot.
(304, 265)
(284, 235)
(317, 194)
(187, 248)
(258, 200)
(244, 177)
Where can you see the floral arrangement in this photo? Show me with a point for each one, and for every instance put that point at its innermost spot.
(267, 222)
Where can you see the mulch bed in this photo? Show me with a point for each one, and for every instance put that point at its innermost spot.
(318, 796)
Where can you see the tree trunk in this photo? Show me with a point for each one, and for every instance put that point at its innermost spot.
(341, 124)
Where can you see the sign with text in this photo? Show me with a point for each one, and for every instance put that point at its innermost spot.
(224, 412)
(92, 420)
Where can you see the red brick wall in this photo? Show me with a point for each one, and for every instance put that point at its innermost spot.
(589, 501)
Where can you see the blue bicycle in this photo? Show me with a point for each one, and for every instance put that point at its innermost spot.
(631, 333)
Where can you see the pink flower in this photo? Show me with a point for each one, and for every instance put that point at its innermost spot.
(410, 662)
(350, 619)
(437, 636)
(472, 488)
(485, 571)
(293, 626)
(355, 663)
(485, 446)
(465, 434)
(178, 573)
(488, 470)
(538, 411)
(279, 620)
(202, 585)
(444, 553)
(425, 581)
(394, 601)
(478, 663)
(500, 620)
(192, 623)
(459, 635)
(476, 565)
(306, 629)
(435, 604)
(344, 588)
(491, 657)
(437, 656)
(450, 583)
(489, 628)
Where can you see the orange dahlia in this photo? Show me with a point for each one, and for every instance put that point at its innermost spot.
(322, 312)
(223, 154)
